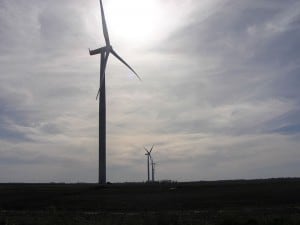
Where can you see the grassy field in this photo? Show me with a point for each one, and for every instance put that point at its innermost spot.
(271, 201)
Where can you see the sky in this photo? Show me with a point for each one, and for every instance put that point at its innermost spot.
(219, 96)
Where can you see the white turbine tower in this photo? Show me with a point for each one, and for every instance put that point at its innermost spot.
(148, 154)
(104, 53)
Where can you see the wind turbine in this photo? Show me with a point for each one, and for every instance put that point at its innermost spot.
(148, 154)
(104, 53)
(153, 168)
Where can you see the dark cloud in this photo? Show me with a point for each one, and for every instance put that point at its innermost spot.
(289, 129)
(287, 124)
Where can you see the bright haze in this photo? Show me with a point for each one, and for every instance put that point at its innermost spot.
(219, 96)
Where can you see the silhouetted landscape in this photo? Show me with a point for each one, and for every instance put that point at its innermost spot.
(268, 201)
(219, 99)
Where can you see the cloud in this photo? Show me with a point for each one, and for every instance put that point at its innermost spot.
(219, 93)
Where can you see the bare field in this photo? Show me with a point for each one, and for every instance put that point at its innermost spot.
(270, 201)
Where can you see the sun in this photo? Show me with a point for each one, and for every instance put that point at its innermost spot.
(134, 21)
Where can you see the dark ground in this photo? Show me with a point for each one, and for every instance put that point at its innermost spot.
(270, 201)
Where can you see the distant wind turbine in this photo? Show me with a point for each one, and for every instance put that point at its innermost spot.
(153, 168)
(148, 154)
(104, 53)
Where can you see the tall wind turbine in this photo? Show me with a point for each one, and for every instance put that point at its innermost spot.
(148, 154)
(104, 53)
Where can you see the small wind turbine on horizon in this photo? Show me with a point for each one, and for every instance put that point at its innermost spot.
(104, 53)
(153, 168)
(148, 154)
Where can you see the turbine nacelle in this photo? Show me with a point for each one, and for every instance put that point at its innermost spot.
(101, 50)
(147, 152)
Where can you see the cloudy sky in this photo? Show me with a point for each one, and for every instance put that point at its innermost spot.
(219, 95)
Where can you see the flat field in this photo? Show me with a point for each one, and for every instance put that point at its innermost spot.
(270, 201)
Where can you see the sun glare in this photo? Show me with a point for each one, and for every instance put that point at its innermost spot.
(133, 20)
(140, 23)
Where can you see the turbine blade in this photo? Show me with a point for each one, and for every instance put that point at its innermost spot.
(104, 59)
(104, 27)
(151, 148)
(125, 63)
(98, 93)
